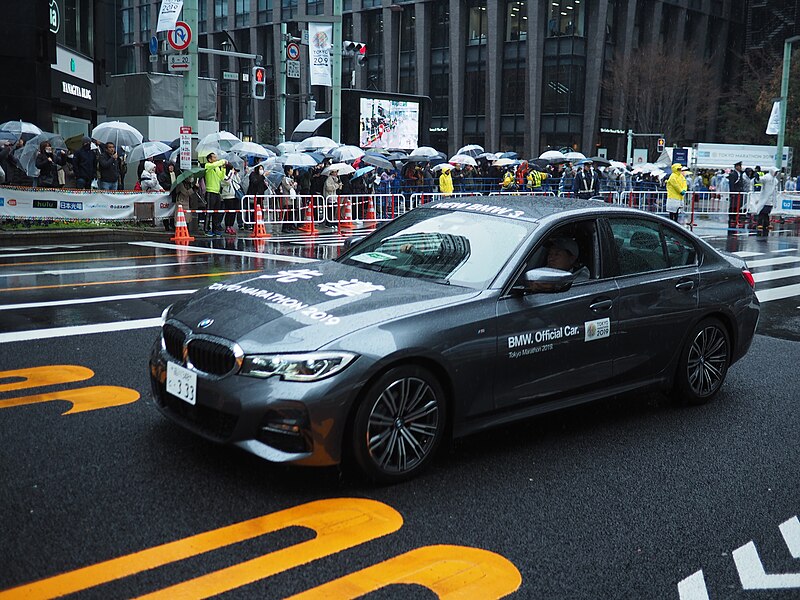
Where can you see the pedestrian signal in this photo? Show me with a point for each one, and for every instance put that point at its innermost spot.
(661, 143)
(258, 83)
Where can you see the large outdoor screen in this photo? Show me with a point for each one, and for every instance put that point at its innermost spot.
(389, 124)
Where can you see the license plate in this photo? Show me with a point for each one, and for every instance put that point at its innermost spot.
(182, 382)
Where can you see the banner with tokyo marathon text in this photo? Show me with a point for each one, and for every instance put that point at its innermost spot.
(320, 42)
(39, 203)
(788, 205)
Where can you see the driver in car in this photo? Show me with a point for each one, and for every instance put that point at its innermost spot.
(562, 254)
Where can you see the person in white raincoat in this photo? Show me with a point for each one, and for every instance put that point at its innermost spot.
(761, 204)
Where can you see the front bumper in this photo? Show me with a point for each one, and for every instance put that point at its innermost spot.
(279, 421)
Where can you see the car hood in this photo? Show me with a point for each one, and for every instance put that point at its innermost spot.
(304, 309)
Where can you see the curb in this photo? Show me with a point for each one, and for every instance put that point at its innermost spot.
(74, 236)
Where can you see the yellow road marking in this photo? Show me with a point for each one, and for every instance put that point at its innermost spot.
(339, 524)
(40, 376)
(451, 572)
(73, 260)
(91, 283)
(82, 399)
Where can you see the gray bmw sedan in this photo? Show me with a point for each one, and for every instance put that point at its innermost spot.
(460, 315)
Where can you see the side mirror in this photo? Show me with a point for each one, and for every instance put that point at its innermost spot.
(546, 279)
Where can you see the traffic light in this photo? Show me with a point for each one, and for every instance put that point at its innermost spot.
(258, 83)
(359, 49)
(661, 143)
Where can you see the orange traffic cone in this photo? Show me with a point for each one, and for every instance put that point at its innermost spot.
(308, 220)
(346, 220)
(259, 244)
(371, 217)
(181, 229)
(260, 231)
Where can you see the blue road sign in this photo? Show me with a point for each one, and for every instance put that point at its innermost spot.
(154, 45)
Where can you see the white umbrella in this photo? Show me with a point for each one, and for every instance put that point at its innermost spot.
(339, 169)
(298, 159)
(441, 167)
(235, 160)
(573, 156)
(147, 150)
(252, 149)
(220, 140)
(316, 142)
(343, 153)
(503, 162)
(471, 149)
(21, 129)
(463, 159)
(26, 156)
(118, 133)
(488, 156)
(287, 147)
(425, 151)
(551, 155)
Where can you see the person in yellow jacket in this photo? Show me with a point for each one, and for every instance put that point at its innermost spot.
(509, 183)
(215, 173)
(446, 181)
(535, 179)
(676, 190)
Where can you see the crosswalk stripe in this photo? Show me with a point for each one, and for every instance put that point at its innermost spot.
(41, 334)
(768, 262)
(778, 274)
(59, 272)
(778, 293)
(94, 300)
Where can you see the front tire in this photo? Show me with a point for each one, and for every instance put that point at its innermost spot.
(399, 424)
(703, 363)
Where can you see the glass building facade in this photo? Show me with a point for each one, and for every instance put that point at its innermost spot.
(522, 75)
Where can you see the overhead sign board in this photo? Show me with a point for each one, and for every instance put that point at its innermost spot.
(179, 63)
(228, 76)
(180, 37)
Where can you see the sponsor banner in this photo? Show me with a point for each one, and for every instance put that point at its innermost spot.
(320, 38)
(22, 203)
(788, 205)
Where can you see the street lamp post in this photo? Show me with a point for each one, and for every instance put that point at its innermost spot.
(787, 60)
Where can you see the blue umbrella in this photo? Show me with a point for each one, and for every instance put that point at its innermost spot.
(362, 171)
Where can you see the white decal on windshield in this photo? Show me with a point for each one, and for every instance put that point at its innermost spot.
(292, 275)
(484, 208)
(353, 287)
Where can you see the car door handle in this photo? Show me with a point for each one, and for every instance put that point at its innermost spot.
(685, 286)
(599, 305)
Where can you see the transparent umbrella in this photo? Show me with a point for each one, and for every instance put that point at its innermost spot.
(551, 155)
(463, 159)
(26, 156)
(252, 149)
(472, 150)
(218, 141)
(572, 156)
(21, 129)
(344, 153)
(425, 151)
(317, 142)
(147, 150)
(287, 147)
(339, 169)
(117, 132)
(298, 159)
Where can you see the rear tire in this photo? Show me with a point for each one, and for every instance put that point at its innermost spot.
(399, 424)
(703, 363)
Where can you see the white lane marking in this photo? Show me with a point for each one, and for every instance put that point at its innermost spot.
(55, 332)
(784, 250)
(752, 574)
(693, 587)
(19, 254)
(277, 257)
(778, 293)
(102, 269)
(746, 254)
(93, 300)
(779, 274)
(766, 262)
(790, 530)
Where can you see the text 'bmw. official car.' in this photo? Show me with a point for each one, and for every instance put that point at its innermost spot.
(459, 315)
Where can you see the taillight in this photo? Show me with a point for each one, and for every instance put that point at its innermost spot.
(748, 277)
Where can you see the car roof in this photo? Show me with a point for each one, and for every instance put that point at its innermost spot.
(525, 207)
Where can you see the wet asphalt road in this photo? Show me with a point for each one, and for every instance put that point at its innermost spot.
(625, 498)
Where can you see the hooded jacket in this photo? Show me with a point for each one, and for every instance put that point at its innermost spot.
(149, 179)
(676, 189)
(768, 195)
(446, 182)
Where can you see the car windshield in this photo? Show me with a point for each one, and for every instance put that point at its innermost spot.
(452, 247)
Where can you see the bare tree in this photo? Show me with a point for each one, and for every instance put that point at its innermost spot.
(664, 92)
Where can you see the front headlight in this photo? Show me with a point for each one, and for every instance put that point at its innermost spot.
(310, 366)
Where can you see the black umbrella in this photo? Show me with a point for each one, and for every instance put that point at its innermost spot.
(419, 159)
(599, 160)
(539, 163)
(509, 155)
(378, 161)
(275, 149)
